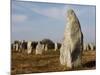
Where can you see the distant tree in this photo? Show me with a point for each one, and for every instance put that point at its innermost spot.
(49, 43)
(34, 44)
(16, 41)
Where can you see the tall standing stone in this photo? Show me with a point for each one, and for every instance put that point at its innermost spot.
(29, 47)
(39, 48)
(92, 46)
(85, 46)
(88, 47)
(72, 45)
(16, 46)
(56, 47)
(46, 47)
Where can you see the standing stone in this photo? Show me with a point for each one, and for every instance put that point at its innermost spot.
(16, 46)
(42, 46)
(29, 47)
(88, 47)
(72, 45)
(84, 46)
(56, 47)
(46, 47)
(39, 48)
(92, 46)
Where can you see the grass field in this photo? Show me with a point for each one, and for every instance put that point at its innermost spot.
(22, 63)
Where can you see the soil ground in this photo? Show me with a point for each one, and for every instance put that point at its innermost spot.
(22, 63)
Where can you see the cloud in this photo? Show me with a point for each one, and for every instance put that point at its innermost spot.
(31, 19)
(51, 12)
(18, 18)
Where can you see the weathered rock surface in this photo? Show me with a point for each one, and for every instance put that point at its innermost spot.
(72, 45)
(39, 48)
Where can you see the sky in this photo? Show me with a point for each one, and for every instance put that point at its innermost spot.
(36, 21)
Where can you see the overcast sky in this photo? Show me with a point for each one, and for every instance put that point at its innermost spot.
(36, 21)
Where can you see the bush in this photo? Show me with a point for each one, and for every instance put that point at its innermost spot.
(49, 43)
